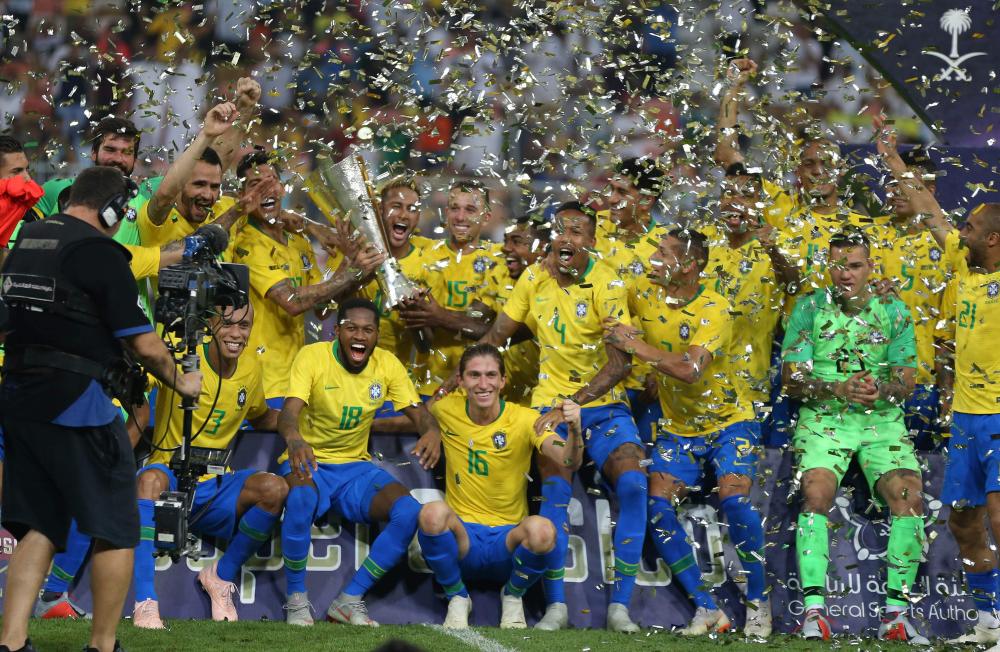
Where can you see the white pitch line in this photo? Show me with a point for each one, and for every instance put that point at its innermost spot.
(473, 639)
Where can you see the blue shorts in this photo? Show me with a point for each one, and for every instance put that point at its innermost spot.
(605, 428)
(488, 558)
(778, 426)
(219, 520)
(921, 413)
(731, 450)
(346, 488)
(646, 415)
(973, 466)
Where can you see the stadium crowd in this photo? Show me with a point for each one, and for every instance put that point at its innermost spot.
(782, 313)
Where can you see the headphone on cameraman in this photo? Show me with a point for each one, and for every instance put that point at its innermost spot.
(116, 208)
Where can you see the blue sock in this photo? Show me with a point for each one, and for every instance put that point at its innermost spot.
(527, 568)
(556, 494)
(671, 542)
(747, 535)
(67, 564)
(630, 531)
(254, 530)
(144, 568)
(441, 554)
(983, 587)
(389, 546)
(296, 536)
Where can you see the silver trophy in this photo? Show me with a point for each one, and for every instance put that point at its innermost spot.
(344, 188)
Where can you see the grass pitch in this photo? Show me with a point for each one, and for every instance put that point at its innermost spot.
(207, 636)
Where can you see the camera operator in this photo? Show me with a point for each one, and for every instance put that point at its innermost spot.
(241, 507)
(72, 305)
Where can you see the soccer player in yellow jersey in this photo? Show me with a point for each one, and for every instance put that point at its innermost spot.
(189, 194)
(399, 208)
(747, 267)
(564, 299)
(285, 281)
(814, 211)
(524, 243)
(335, 389)
(972, 474)
(913, 261)
(482, 531)
(686, 334)
(457, 274)
(627, 235)
(241, 507)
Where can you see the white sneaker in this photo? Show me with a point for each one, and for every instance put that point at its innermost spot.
(707, 621)
(349, 612)
(459, 608)
(299, 610)
(758, 622)
(511, 612)
(556, 617)
(618, 619)
(979, 634)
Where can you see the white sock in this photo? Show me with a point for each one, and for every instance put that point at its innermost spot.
(988, 619)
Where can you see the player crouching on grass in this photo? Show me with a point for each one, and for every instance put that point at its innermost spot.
(241, 507)
(482, 531)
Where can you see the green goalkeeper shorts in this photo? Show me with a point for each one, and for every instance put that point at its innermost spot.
(881, 443)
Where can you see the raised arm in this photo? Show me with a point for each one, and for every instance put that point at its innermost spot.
(727, 149)
(921, 199)
(217, 121)
(228, 143)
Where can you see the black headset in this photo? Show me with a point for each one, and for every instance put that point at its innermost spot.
(116, 208)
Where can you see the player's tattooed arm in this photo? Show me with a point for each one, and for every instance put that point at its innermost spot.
(899, 387)
(297, 300)
(568, 453)
(613, 372)
(687, 367)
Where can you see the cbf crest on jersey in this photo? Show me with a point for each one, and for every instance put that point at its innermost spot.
(935, 254)
(637, 268)
(480, 264)
(684, 331)
(241, 397)
(499, 440)
(745, 266)
(581, 309)
(375, 391)
(993, 289)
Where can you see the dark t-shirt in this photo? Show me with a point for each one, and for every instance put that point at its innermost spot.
(99, 268)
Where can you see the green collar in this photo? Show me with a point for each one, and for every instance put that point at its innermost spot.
(590, 266)
(503, 404)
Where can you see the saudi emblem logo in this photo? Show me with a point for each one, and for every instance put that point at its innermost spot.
(993, 289)
(479, 265)
(745, 266)
(499, 440)
(581, 309)
(684, 331)
(241, 397)
(375, 391)
(955, 22)
(935, 254)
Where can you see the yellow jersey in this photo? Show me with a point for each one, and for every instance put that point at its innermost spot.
(276, 336)
(745, 277)
(916, 264)
(629, 257)
(718, 399)
(805, 237)
(567, 323)
(340, 405)
(455, 280)
(487, 475)
(976, 312)
(175, 226)
(145, 261)
(520, 360)
(393, 335)
(217, 419)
